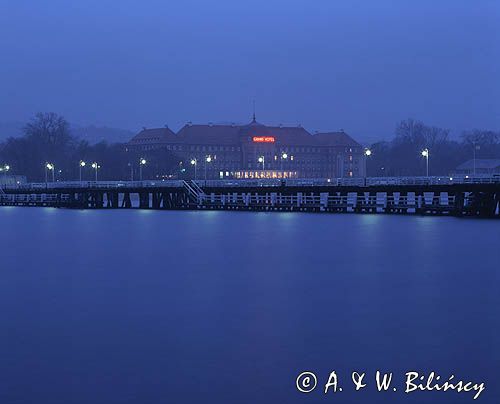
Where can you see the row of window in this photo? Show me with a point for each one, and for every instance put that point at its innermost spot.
(238, 149)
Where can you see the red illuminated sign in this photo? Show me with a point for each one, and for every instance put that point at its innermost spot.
(263, 139)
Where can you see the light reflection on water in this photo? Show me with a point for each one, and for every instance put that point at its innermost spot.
(152, 306)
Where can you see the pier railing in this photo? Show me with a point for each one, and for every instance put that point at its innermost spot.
(357, 182)
(95, 184)
(249, 183)
(459, 195)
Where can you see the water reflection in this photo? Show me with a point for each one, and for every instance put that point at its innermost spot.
(134, 306)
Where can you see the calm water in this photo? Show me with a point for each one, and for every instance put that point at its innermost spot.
(217, 307)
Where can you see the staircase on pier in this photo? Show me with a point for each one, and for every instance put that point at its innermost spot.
(196, 194)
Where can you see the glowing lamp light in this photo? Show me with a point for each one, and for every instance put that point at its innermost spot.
(284, 156)
(209, 159)
(50, 166)
(261, 159)
(193, 162)
(143, 161)
(425, 153)
(368, 152)
(7, 168)
(83, 163)
(95, 166)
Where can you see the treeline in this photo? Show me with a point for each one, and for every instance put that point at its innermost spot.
(402, 155)
(48, 139)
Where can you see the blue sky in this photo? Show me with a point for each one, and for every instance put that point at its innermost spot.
(357, 65)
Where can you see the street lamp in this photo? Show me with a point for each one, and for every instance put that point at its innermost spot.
(368, 153)
(81, 165)
(4, 169)
(262, 160)
(284, 156)
(131, 171)
(208, 159)
(194, 163)
(96, 167)
(50, 167)
(142, 162)
(425, 153)
(475, 147)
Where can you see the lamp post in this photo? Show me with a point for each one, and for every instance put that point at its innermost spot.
(50, 167)
(142, 162)
(425, 153)
(81, 165)
(284, 156)
(4, 170)
(262, 160)
(131, 171)
(96, 167)
(476, 147)
(474, 157)
(208, 159)
(194, 163)
(367, 154)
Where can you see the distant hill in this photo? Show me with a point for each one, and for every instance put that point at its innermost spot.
(10, 129)
(92, 134)
(95, 134)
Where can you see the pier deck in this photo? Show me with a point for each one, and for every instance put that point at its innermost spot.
(478, 197)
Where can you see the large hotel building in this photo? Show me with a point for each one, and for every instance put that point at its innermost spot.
(256, 151)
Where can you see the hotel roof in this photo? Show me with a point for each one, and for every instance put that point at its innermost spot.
(335, 139)
(153, 136)
(209, 134)
(213, 134)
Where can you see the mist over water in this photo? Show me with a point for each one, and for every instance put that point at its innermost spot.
(190, 307)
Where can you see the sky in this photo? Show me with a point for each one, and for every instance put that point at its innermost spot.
(325, 64)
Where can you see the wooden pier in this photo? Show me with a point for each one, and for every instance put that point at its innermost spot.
(427, 196)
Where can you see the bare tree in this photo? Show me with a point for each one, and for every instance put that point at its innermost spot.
(419, 135)
(483, 143)
(49, 129)
(481, 137)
